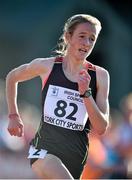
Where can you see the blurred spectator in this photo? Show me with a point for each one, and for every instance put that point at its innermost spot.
(96, 157)
(111, 155)
(124, 143)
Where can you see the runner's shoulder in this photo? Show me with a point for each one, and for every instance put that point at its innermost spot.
(43, 61)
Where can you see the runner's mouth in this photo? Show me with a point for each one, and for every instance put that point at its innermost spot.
(83, 50)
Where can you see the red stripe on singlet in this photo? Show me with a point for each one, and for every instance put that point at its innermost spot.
(90, 66)
(44, 82)
(57, 59)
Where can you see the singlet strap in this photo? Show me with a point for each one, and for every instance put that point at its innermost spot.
(87, 65)
(58, 59)
(90, 66)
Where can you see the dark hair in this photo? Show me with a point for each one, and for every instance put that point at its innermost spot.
(71, 25)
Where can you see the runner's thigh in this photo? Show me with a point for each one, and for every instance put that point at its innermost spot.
(51, 167)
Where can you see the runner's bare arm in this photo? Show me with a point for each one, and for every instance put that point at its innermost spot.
(24, 72)
(99, 111)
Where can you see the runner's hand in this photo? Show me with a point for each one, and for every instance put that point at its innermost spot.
(83, 81)
(16, 127)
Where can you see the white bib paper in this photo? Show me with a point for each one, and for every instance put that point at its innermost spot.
(64, 108)
(35, 153)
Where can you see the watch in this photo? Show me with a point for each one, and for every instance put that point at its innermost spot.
(86, 94)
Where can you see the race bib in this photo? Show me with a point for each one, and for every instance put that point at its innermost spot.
(36, 153)
(64, 108)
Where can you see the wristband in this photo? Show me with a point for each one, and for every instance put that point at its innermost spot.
(12, 116)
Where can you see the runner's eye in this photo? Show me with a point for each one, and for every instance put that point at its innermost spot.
(92, 39)
(82, 36)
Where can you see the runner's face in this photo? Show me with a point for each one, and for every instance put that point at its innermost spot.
(82, 41)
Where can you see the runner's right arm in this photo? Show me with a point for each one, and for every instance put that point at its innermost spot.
(24, 72)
